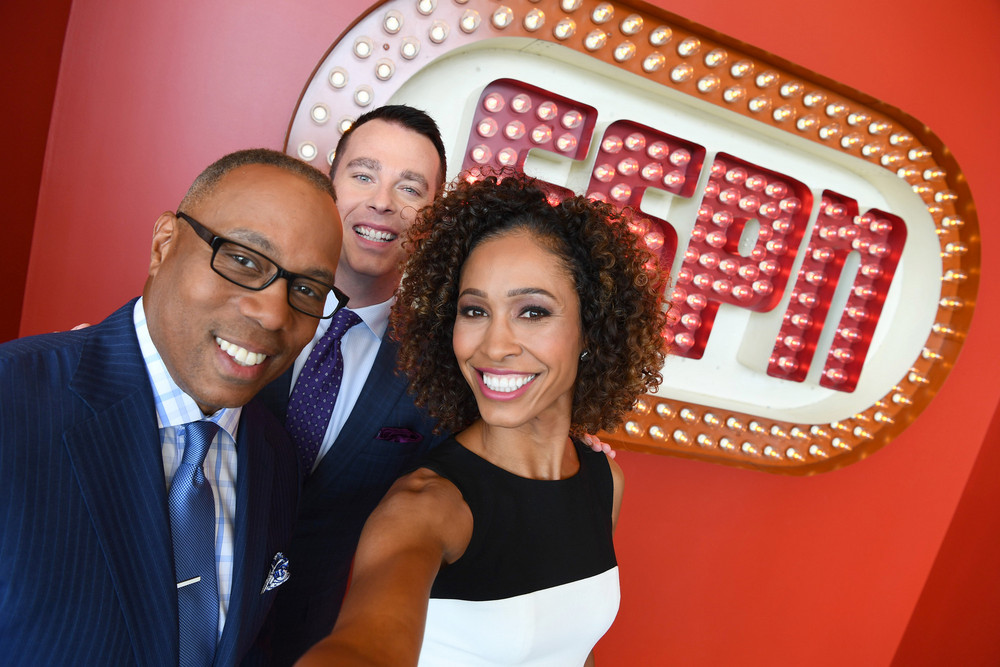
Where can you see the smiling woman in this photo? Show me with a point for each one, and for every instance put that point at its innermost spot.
(514, 310)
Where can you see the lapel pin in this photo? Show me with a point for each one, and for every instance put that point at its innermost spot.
(278, 574)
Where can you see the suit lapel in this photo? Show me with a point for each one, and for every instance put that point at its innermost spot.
(381, 392)
(255, 465)
(119, 467)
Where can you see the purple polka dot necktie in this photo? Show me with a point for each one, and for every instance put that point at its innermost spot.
(192, 530)
(316, 389)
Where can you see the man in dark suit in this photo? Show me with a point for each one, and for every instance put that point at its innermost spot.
(103, 558)
(390, 164)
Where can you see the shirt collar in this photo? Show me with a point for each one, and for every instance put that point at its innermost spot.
(173, 406)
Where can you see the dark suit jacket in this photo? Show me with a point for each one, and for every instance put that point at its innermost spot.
(86, 560)
(337, 499)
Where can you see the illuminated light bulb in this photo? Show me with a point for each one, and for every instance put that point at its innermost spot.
(363, 96)
(794, 343)
(722, 287)
(766, 79)
(470, 21)
(612, 144)
(681, 73)
(829, 132)
(749, 204)
(776, 246)
(691, 255)
(722, 219)
(843, 355)
(787, 365)
(729, 196)
(502, 17)
(689, 47)
(756, 427)
(709, 260)
(771, 452)
(783, 113)
(654, 62)
(604, 172)
(860, 432)
(520, 103)
(748, 449)
(917, 378)
(658, 150)
(320, 113)
(602, 13)
(801, 320)
(872, 150)
(715, 57)
(891, 159)
(836, 110)
(901, 399)
(595, 40)
(633, 429)
(330, 156)
(703, 281)
(883, 418)
(799, 433)
(952, 222)
(681, 438)
(956, 248)
(641, 406)
(705, 440)
(717, 239)
(815, 278)
(814, 99)
(712, 189)
(566, 143)
(934, 174)
(741, 68)
(307, 150)
(597, 196)
(487, 127)
(657, 433)
(880, 226)
(840, 444)
(734, 423)
(688, 415)
(684, 277)
(854, 119)
(791, 89)
(652, 171)
(729, 266)
(664, 410)
(910, 174)
(426, 7)
(660, 35)
(835, 375)
(691, 321)
(718, 169)
(951, 303)
(758, 104)
(737, 175)
(763, 287)
(855, 313)
(631, 24)
(345, 124)
(790, 204)
(507, 157)
(384, 69)
(851, 141)
(823, 255)
(674, 180)
(945, 196)
(481, 154)
(438, 32)
(514, 130)
(953, 276)
(635, 142)
(793, 454)
(817, 451)
(749, 272)
(727, 444)
(338, 77)
(392, 22)
(363, 47)
(680, 157)
(621, 192)
(808, 300)
(880, 250)
(684, 341)
(733, 94)
(654, 241)
(541, 134)
(624, 52)
(900, 139)
(919, 153)
(409, 48)
(570, 5)
(533, 20)
(806, 123)
(696, 302)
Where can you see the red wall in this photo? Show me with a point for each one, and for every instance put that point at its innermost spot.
(720, 566)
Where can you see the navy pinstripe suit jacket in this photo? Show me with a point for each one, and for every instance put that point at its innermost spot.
(366, 458)
(86, 562)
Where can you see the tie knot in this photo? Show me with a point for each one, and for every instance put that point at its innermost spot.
(199, 437)
(343, 320)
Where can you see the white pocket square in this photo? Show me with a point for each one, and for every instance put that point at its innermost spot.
(278, 574)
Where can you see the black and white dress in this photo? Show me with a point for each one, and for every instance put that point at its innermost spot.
(538, 584)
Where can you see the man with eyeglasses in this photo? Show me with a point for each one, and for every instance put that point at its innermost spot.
(146, 502)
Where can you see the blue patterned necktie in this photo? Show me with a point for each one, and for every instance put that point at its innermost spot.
(316, 389)
(192, 527)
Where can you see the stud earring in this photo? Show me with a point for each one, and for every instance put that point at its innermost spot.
(584, 355)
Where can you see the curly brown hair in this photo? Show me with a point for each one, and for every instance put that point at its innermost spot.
(621, 305)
